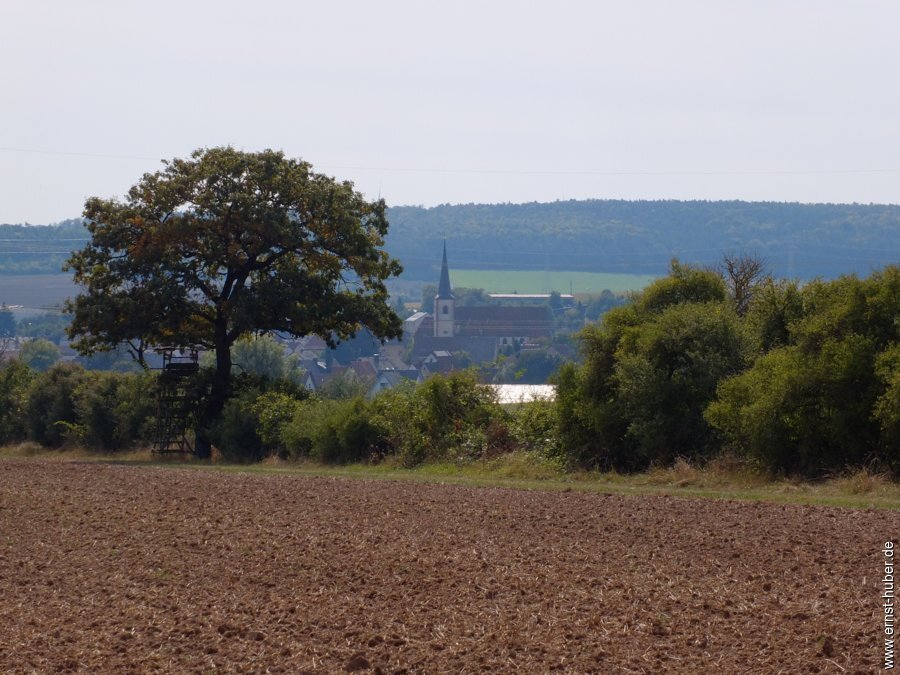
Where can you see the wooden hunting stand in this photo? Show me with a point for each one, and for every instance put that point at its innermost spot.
(176, 403)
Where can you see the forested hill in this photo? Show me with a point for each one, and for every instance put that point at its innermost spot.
(39, 249)
(797, 240)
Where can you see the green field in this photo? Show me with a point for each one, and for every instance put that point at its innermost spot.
(537, 281)
(37, 291)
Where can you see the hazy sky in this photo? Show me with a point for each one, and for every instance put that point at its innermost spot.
(449, 102)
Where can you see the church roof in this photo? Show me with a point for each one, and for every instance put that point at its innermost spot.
(444, 290)
(504, 321)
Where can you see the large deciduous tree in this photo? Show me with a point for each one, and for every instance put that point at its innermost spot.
(229, 243)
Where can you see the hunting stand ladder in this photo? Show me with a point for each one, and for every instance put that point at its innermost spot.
(176, 403)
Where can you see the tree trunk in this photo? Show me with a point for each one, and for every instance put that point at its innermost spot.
(219, 391)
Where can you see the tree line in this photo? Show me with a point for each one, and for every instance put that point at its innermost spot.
(798, 240)
(39, 249)
(802, 379)
(641, 237)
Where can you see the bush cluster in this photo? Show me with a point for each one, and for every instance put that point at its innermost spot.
(67, 404)
(445, 418)
(825, 394)
(448, 417)
(806, 380)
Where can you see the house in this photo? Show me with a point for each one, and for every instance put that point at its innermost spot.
(411, 324)
(391, 356)
(388, 379)
(315, 373)
(364, 368)
(309, 347)
(440, 361)
(483, 349)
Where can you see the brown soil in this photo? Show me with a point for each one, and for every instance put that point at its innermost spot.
(109, 568)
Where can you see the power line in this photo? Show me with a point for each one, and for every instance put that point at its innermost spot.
(505, 171)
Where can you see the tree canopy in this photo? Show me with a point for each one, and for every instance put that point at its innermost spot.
(229, 243)
(805, 381)
(39, 354)
(825, 393)
(650, 369)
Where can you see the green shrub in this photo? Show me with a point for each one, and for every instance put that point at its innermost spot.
(667, 374)
(273, 412)
(95, 401)
(395, 413)
(250, 426)
(114, 411)
(39, 354)
(887, 407)
(15, 379)
(798, 412)
(684, 284)
(236, 432)
(828, 399)
(346, 433)
(97, 410)
(135, 410)
(578, 412)
(334, 431)
(50, 405)
(647, 378)
(297, 433)
(534, 427)
(446, 416)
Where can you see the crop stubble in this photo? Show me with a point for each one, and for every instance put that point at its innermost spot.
(132, 569)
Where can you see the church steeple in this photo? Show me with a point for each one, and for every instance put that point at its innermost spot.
(444, 290)
(444, 302)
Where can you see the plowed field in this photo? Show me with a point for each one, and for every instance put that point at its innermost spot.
(109, 568)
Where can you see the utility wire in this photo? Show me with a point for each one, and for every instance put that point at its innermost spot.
(524, 172)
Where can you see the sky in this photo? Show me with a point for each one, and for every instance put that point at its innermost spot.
(426, 102)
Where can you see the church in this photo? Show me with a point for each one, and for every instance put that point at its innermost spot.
(481, 332)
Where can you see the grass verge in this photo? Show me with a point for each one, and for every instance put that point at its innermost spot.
(719, 479)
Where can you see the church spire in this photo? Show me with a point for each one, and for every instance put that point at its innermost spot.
(444, 302)
(444, 290)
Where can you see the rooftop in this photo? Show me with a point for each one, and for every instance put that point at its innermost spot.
(528, 296)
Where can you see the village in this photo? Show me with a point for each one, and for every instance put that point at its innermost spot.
(450, 338)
